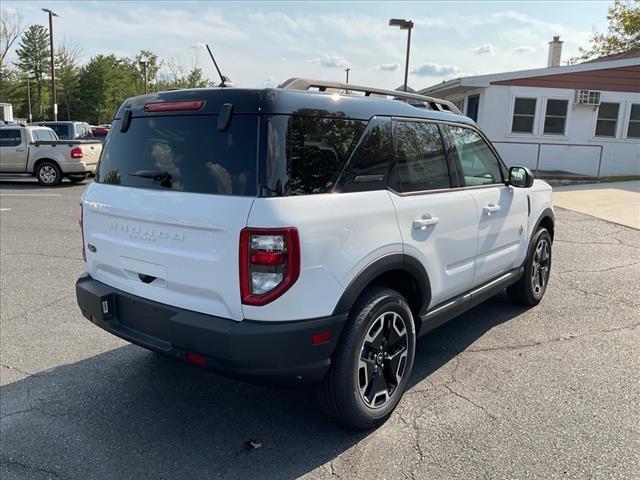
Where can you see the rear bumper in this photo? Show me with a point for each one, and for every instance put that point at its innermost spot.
(264, 352)
(78, 167)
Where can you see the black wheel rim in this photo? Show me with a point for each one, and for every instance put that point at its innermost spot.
(540, 267)
(383, 358)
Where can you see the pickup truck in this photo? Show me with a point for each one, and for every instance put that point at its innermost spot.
(37, 151)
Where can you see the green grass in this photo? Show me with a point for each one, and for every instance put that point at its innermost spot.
(622, 178)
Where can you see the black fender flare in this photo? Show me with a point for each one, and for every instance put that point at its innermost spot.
(387, 263)
(546, 213)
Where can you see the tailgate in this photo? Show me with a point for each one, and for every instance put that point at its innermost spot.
(91, 152)
(176, 248)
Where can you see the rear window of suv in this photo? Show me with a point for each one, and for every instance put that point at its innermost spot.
(186, 153)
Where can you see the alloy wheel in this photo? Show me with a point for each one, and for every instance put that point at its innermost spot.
(383, 358)
(48, 174)
(540, 267)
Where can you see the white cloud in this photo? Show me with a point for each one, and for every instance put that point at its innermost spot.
(331, 61)
(524, 49)
(435, 70)
(268, 82)
(388, 67)
(484, 49)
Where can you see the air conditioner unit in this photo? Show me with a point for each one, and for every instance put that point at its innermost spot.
(587, 97)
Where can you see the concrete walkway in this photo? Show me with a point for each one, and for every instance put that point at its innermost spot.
(617, 202)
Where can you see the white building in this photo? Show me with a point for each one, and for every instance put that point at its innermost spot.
(582, 118)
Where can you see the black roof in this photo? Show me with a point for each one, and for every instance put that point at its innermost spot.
(283, 101)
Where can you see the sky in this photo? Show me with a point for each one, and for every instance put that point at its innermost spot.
(263, 43)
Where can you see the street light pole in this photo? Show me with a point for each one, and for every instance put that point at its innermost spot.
(347, 72)
(54, 104)
(404, 25)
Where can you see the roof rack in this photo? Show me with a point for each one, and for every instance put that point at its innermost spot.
(322, 85)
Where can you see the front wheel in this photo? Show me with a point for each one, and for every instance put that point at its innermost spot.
(530, 289)
(373, 361)
(48, 174)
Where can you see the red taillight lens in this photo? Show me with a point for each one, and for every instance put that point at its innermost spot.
(269, 263)
(81, 223)
(76, 152)
(187, 105)
(195, 358)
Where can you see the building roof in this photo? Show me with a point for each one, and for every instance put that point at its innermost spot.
(482, 81)
(633, 53)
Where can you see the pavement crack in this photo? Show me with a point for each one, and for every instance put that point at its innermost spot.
(16, 369)
(30, 468)
(467, 399)
(577, 270)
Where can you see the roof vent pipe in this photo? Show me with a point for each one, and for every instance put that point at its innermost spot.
(555, 52)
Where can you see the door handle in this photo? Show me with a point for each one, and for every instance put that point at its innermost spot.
(423, 223)
(491, 208)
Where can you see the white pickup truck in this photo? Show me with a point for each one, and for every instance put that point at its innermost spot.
(37, 151)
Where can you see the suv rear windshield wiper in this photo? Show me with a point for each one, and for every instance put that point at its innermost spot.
(163, 177)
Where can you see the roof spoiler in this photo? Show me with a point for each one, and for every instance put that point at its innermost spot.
(322, 85)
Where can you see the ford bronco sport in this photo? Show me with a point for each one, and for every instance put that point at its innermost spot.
(305, 236)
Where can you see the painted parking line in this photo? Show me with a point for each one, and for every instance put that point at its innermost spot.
(30, 194)
(4, 209)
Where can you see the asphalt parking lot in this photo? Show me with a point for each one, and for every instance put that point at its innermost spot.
(502, 392)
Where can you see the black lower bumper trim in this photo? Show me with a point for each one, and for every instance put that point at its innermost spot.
(271, 352)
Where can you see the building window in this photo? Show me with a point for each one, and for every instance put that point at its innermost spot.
(473, 102)
(633, 130)
(607, 119)
(524, 114)
(555, 118)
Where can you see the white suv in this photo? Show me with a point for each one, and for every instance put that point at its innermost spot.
(305, 237)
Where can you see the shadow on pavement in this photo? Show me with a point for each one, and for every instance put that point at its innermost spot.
(32, 184)
(129, 413)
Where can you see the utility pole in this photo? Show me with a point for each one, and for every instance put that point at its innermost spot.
(144, 63)
(404, 25)
(29, 98)
(347, 72)
(54, 104)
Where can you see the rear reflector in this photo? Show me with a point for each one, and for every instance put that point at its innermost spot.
(321, 337)
(187, 105)
(195, 358)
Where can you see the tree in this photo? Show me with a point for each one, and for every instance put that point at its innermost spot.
(153, 67)
(622, 34)
(67, 71)
(195, 79)
(33, 60)
(104, 83)
(11, 27)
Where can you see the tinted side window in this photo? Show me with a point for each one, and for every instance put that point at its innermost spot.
(369, 164)
(421, 161)
(42, 135)
(479, 164)
(307, 154)
(9, 138)
(61, 130)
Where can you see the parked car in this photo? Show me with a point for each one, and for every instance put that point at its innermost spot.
(305, 237)
(69, 130)
(36, 150)
(99, 133)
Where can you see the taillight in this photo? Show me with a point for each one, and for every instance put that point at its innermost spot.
(269, 263)
(76, 152)
(81, 223)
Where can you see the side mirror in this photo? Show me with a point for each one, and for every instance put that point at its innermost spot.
(520, 177)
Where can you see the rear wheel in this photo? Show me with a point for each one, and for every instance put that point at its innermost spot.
(48, 174)
(530, 289)
(372, 362)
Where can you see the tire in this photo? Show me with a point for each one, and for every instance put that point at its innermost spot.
(77, 178)
(360, 391)
(48, 174)
(529, 290)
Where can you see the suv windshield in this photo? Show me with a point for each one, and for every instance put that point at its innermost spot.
(183, 152)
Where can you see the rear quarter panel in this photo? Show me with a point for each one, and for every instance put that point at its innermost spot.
(340, 234)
